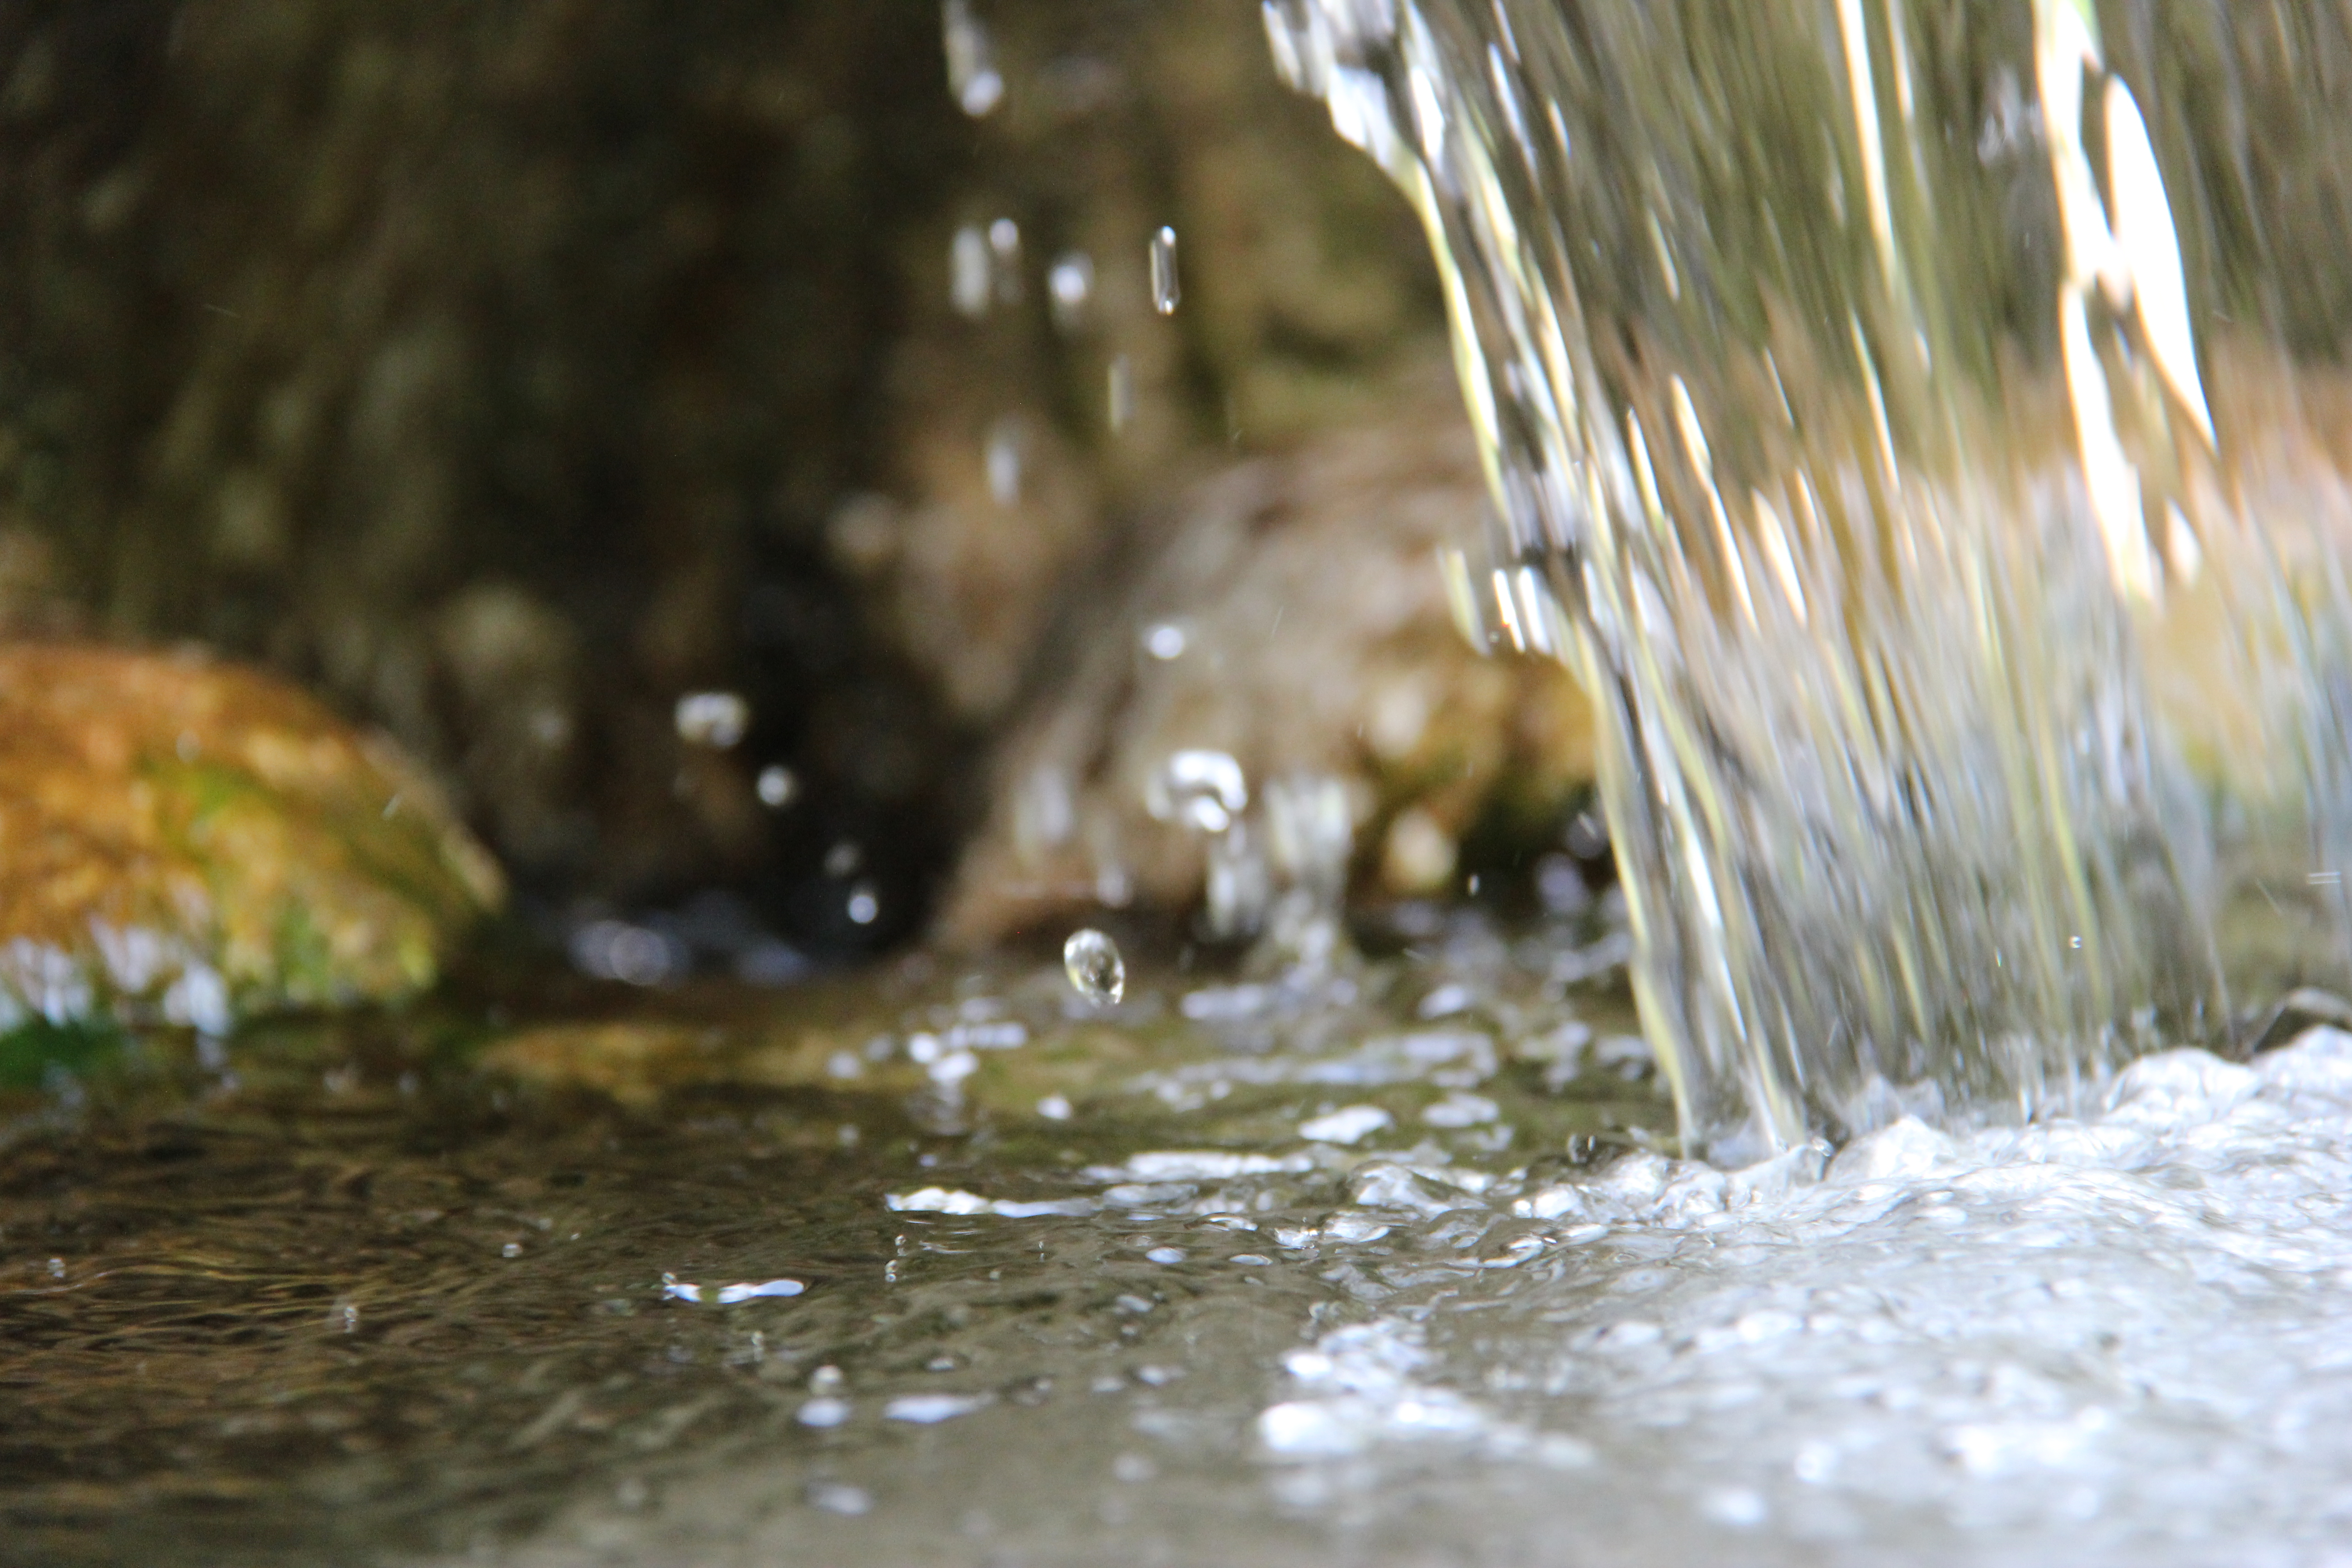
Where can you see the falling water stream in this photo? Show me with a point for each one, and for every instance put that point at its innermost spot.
(1920, 423)
(1939, 497)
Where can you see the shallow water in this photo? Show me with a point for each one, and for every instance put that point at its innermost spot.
(361, 1300)
(351, 1293)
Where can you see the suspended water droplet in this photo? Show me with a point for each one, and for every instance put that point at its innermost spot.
(779, 787)
(968, 268)
(1070, 283)
(713, 719)
(972, 76)
(1167, 289)
(1122, 393)
(843, 858)
(1004, 244)
(1003, 462)
(865, 907)
(1238, 888)
(1205, 790)
(1166, 640)
(1097, 971)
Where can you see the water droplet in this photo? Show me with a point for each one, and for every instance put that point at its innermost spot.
(1097, 973)
(778, 787)
(843, 858)
(511, 1249)
(1203, 789)
(1167, 289)
(1122, 393)
(967, 272)
(1165, 641)
(1070, 283)
(1055, 1108)
(865, 908)
(827, 1379)
(1004, 459)
(972, 76)
(713, 719)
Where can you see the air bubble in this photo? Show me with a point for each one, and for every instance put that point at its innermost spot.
(1097, 971)
(1167, 289)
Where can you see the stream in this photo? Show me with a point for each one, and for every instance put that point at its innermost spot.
(1962, 1202)
(1393, 1266)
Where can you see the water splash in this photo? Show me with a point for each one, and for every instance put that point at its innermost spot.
(1965, 704)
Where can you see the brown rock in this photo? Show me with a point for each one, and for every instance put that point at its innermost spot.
(1295, 620)
(191, 840)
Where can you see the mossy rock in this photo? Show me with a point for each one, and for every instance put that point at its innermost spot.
(187, 841)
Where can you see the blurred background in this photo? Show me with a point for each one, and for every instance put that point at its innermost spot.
(739, 447)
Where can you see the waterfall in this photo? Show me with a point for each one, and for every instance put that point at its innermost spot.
(1915, 422)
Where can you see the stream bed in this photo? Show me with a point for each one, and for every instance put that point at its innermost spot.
(1392, 1264)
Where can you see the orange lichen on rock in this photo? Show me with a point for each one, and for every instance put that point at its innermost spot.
(186, 840)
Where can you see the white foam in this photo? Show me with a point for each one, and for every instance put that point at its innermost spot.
(2122, 1336)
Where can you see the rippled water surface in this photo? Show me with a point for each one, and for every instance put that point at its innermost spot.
(1388, 1266)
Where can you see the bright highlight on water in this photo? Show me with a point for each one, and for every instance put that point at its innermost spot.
(1935, 497)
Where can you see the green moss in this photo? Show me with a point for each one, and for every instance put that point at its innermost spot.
(31, 1052)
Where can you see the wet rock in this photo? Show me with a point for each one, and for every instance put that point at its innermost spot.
(474, 374)
(189, 841)
(1293, 618)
